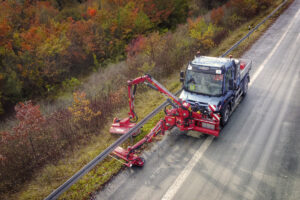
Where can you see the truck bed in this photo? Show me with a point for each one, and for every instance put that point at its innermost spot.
(248, 65)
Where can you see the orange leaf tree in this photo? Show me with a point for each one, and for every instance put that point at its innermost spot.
(217, 15)
(30, 122)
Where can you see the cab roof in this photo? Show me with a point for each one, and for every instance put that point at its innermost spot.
(210, 61)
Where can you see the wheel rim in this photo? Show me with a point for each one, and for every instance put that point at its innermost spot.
(226, 114)
(246, 86)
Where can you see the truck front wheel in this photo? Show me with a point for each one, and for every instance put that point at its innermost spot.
(225, 115)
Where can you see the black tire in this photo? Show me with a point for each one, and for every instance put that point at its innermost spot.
(141, 162)
(225, 115)
(245, 88)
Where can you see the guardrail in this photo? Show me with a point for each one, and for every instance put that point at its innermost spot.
(56, 193)
(252, 30)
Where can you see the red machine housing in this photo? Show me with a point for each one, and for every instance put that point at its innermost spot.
(121, 127)
(180, 115)
(130, 158)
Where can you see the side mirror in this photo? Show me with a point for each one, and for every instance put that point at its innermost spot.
(231, 84)
(182, 76)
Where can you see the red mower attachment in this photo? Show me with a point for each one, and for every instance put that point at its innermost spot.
(180, 114)
(130, 158)
(120, 127)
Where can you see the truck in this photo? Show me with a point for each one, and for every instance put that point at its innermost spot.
(212, 89)
(214, 84)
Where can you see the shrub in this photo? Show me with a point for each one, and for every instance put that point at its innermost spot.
(202, 32)
(69, 12)
(217, 15)
(212, 3)
(245, 8)
(71, 84)
(263, 4)
(233, 20)
(80, 109)
(30, 119)
(220, 34)
(91, 12)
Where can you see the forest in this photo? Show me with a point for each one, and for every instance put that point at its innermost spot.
(50, 47)
(47, 44)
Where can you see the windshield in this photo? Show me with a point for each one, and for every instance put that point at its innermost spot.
(208, 84)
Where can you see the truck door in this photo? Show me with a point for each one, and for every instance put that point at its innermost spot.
(228, 92)
(228, 77)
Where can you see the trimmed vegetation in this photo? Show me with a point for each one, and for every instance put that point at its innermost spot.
(73, 133)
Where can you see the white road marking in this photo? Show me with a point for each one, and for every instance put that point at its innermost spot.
(197, 156)
(187, 170)
(262, 66)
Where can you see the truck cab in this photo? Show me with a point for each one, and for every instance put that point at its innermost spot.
(214, 84)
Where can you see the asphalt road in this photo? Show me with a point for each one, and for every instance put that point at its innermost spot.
(257, 155)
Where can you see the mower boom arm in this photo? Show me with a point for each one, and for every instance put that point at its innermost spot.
(152, 83)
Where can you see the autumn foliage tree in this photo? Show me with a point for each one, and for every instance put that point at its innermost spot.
(217, 15)
(19, 149)
(245, 8)
(202, 32)
(80, 108)
(44, 43)
(30, 122)
(30, 119)
(158, 10)
(5, 31)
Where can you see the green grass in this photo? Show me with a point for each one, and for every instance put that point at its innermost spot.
(53, 175)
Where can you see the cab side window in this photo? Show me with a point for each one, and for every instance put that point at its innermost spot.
(228, 76)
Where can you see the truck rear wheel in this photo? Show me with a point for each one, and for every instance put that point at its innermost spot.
(225, 115)
(245, 88)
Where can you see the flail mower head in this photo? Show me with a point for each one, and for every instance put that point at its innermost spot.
(120, 127)
(130, 158)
